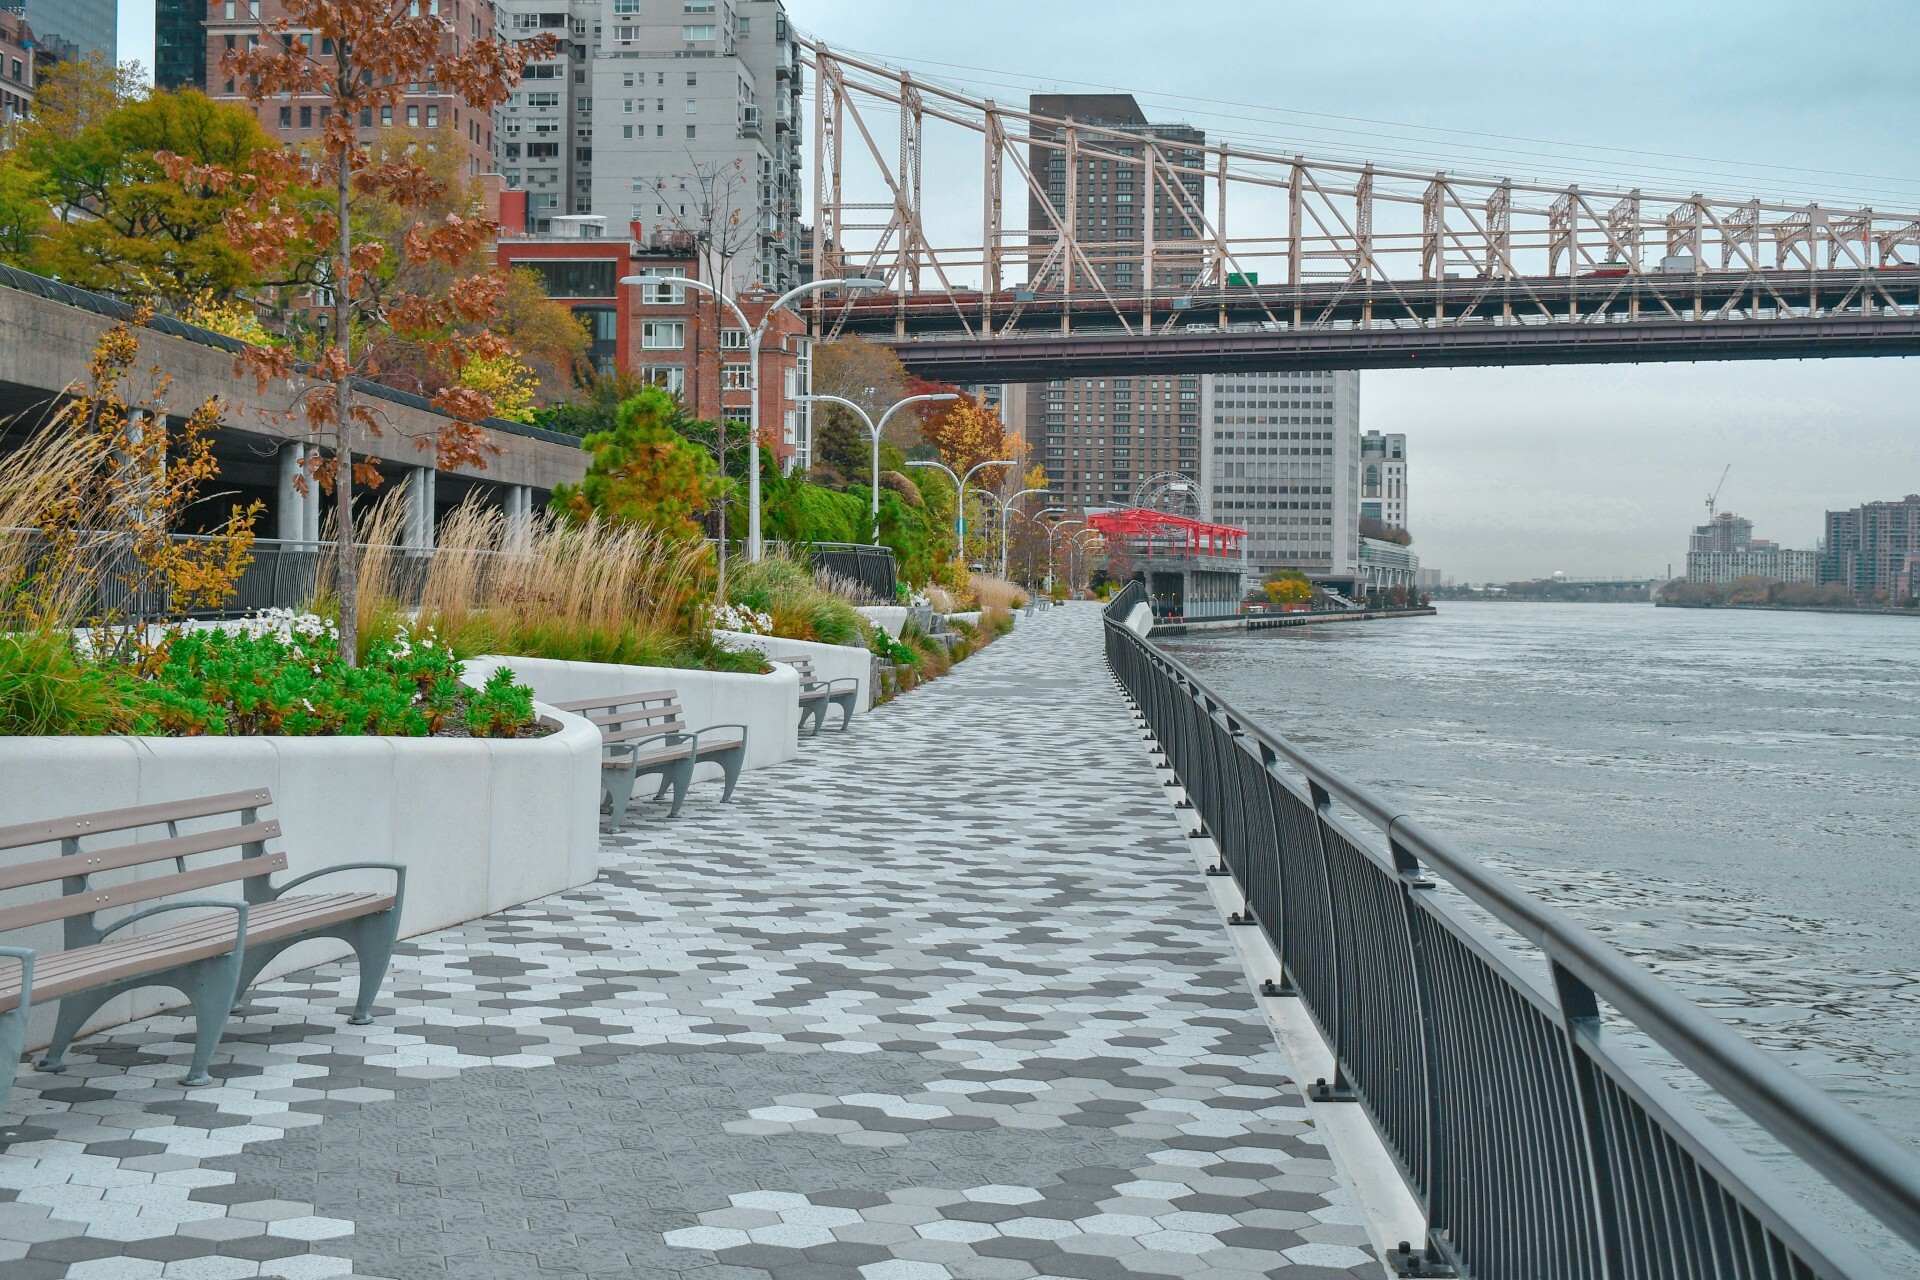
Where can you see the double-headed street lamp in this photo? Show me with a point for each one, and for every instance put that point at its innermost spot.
(1083, 542)
(960, 484)
(875, 430)
(754, 334)
(1006, 509)
(1052, 529)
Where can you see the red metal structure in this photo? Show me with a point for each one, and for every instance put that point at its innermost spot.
(1161, 533)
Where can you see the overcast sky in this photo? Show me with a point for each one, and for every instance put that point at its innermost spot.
(1517, 472)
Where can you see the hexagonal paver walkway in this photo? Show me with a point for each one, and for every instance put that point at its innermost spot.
(944, 999)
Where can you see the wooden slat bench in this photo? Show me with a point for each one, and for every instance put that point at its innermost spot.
(645, 735)
(209, 958)
(817, 695)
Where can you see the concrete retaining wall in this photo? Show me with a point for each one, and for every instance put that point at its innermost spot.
(480, 825)
(830, 661)
(888, 617)
(769, 705)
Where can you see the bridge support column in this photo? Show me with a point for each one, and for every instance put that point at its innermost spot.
(296, 514)
(419, 531)
(518, 501)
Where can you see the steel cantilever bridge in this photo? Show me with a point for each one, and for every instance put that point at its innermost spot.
(1247, 259)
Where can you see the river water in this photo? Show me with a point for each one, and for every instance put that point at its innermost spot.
(1731, 796)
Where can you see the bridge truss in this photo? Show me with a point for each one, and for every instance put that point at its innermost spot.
(1263, 239)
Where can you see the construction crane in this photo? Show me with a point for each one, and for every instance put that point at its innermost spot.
(1713, 499)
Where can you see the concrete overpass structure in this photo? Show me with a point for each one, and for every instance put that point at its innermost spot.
(48, 332)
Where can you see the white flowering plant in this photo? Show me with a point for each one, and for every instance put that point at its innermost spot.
(738, 617)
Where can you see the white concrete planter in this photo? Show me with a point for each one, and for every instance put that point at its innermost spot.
(830, 661)
(480, 824)
(769, 705)
(888, 617)
(971, 618)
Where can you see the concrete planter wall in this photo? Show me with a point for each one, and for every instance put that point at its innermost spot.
(480, 825)
(830, 661)
(971, 617)
(888, 617)
(769, 705)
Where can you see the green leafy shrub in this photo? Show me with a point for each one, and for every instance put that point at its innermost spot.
(800, 607)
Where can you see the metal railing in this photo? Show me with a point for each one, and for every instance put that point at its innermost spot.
(1539, 1145)
(872, 567)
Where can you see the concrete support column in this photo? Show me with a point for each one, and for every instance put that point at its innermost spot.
(296, 514)
(518, 501)
(420, 522)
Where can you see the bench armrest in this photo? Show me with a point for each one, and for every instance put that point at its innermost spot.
(23, 956)
(238, 908)
(852, 685)
(399, 875)
(742, 728)
(808, 686)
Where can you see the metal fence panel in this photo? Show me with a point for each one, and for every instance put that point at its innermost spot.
(1540, 1147)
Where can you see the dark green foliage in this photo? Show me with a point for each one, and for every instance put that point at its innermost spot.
(46, 689)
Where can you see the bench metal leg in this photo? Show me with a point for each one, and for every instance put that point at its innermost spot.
(731, 762)
(211, 986)
(815, 711)
(618, 785)
(13, 1035)
(373, 941)
(845, 702)
(679, 778)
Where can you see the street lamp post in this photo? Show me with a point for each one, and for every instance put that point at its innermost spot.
(1083, 542)
(754, 334)
(876, 430)
(960, 486)
(1052, 529)
(1006, 507)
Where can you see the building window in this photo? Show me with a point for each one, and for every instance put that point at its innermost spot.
(433, 116)
(733, 339)
(664, 292)
(663, 335)
(413, 116)
(703, 32)
(603, 335)
(577, 278)
(691, 130)
(671, 376)
(735, 377)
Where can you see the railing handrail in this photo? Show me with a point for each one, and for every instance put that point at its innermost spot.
(1878, 1172)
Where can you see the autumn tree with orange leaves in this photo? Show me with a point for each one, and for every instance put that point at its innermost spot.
(352, 58)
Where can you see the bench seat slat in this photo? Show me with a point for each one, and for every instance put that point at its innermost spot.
(120, 895)
(131, 855)
(64, 972)
(146, 815)
(660, 756)
(630, 717)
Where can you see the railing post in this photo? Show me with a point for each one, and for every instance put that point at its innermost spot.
(1433, 1259)
(1580, 1018)
(1341, 1090)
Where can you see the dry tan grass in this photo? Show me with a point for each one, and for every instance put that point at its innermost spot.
(53, 465)
(589, 591)
(997, 593)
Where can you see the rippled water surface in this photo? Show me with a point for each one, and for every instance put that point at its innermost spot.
(1734, 797)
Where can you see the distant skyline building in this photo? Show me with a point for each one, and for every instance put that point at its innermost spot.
(180, 44)
(1383, 478)
(1281, 458)
(93, 26)
(1871, 549)
(1098, 438)
(662, 117)
(1724, 549)
(18, 72)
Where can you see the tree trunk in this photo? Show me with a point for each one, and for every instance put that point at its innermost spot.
(348, 577)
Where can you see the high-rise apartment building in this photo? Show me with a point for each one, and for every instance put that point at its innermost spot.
(1383, 478)
(1870, 549)
(180, 44)
(680, 117)
(92, 26)
(1724, 549)
(1098, 438)
(232, 24)
(1281, 459)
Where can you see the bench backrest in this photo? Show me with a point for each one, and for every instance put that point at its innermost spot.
(803, 665)
(76, 862)
(625, 717)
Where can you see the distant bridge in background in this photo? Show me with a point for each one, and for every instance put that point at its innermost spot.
(1281, 261)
